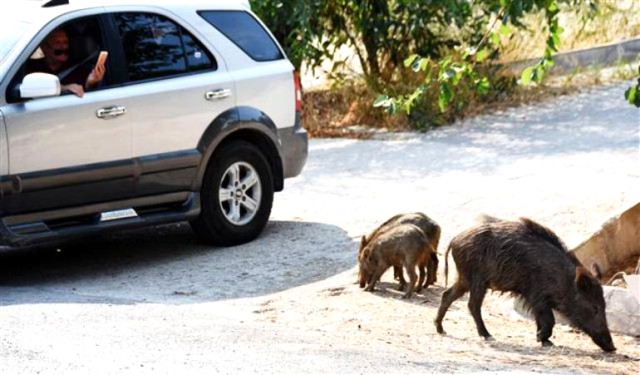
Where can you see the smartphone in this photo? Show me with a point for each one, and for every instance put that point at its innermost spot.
(102, 58)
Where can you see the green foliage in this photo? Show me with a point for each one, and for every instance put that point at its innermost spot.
(383, 32)
(455, 69)
(443, 44)
(290, 21)
(632, 94)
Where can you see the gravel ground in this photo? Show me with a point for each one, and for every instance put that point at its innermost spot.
(156, 301)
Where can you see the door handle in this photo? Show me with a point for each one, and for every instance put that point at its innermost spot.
(110, 112)
(217, 94)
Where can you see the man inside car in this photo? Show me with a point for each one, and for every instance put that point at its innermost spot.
(73, 78)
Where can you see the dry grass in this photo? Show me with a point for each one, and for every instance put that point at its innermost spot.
(616, 20)
(333, 113)
(348, 112)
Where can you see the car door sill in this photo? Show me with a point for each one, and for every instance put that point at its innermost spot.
(51, 226)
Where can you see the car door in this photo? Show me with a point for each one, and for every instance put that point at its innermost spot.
(177, 88)
(68, 150)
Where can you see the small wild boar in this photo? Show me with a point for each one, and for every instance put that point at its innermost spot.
(528, 260)
(403, 245)
(429, 227)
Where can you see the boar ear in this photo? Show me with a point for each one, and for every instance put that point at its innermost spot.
(584, 280)
(363, 242)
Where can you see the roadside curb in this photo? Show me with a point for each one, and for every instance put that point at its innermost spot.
(601, 56)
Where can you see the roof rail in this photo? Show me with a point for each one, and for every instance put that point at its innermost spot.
(55, 3)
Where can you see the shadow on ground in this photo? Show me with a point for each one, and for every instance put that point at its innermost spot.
(168, 265)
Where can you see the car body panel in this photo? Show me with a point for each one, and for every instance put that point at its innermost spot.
(43, 137)
(172, 114)
(62, 168)
(4, 150)
(271, 87)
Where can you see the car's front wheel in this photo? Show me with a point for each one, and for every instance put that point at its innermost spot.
(236, 195)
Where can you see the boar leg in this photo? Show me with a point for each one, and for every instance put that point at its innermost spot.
(375, 277)
(544, 322)
(399, 275)
(411, 271)
(420, 279)
(432, 271)
(476, 296)
(456, 291)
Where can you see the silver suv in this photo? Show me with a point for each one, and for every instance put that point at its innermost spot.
(196, 116)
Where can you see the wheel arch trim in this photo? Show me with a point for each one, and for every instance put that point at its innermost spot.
(248, 124)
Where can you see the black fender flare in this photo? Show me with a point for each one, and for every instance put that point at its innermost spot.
(245, 123)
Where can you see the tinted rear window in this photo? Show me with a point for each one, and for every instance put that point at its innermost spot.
(157, 47)
(245, 31)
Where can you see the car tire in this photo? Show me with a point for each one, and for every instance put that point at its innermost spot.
(236, 195)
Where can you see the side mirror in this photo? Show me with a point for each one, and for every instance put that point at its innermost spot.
(38, 85)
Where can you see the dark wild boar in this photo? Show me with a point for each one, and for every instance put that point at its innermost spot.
(430, 228)
(403, 245)
(529, 261)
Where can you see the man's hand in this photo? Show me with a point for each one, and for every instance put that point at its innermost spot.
(75, 88)
(96, 76)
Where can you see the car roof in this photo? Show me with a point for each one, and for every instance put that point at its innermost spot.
(31, 11)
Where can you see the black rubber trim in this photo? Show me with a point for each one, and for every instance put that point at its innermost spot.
(94, 208)
(33, 181)
(99, 182)
(187, 207)
(245, 123)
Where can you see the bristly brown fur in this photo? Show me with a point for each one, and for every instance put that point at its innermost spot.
(525, 259)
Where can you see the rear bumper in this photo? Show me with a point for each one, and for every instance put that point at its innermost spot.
(295, 147)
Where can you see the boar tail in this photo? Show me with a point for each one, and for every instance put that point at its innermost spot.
(446, 266)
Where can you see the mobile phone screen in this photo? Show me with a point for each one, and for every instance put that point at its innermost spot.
(102, 58)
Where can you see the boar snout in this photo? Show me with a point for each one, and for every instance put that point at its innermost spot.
(362, 279)
(604, 341)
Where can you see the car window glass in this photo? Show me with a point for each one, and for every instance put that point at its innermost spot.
(197, 57)
(71, 61)
(245, 31)
(156, 47)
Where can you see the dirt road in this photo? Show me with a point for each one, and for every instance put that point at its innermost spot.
(155, 301)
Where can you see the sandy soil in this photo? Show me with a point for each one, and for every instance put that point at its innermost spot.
(155, 301)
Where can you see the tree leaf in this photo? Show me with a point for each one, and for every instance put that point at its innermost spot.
(483, 86)
(631, 94)
(482, 55)
(444, 97)
(381, 101)
(527, 75)
(505, 30)
(410, 60)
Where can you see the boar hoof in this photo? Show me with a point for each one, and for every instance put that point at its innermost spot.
(401, 287)
(489, 339)
(406, 296)
(547, 343)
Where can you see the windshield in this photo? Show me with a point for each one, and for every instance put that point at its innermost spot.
(10, 32)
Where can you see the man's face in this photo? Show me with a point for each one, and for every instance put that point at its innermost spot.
(56, 47)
